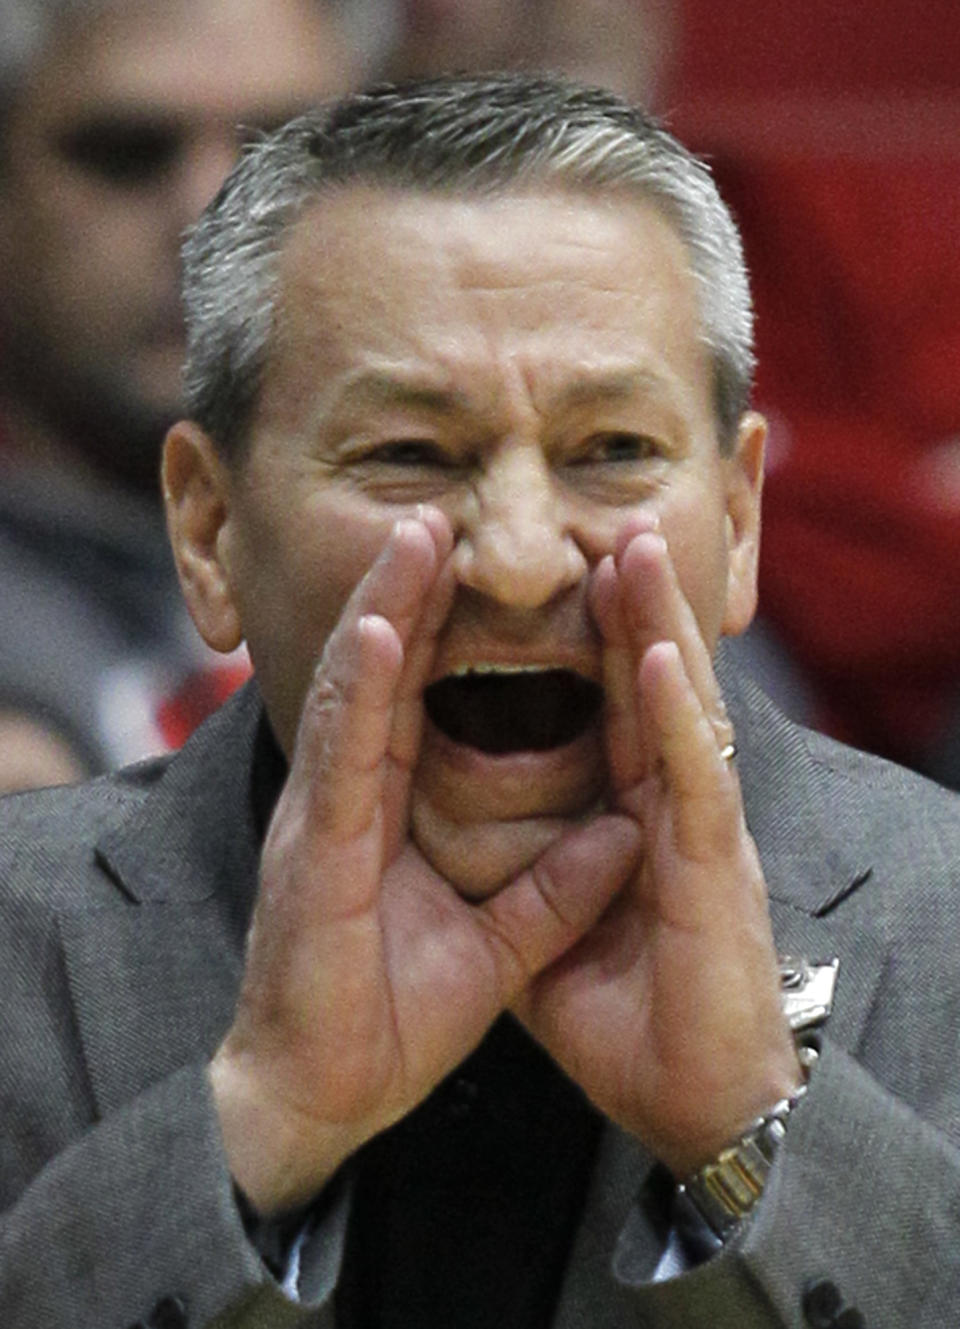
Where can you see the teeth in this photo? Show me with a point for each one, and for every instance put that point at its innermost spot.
(462, 671)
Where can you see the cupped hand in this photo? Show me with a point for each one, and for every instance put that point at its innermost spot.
(367, 976)
(668, 1012)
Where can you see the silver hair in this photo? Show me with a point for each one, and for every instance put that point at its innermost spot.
(461, 134)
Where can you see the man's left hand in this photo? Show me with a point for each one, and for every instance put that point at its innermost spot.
(668, 1012)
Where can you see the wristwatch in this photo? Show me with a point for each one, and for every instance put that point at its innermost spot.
(724, 1191)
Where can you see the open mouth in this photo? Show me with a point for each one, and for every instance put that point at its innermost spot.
(500, 710)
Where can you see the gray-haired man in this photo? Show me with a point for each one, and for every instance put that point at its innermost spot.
(435, 981)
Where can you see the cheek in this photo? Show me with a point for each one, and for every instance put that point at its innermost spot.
(332, 551)
(695, 533)
(293, 591)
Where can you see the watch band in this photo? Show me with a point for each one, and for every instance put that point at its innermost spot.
(724, 1191)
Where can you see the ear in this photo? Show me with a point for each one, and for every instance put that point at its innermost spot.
(744, 484)
(196, 492)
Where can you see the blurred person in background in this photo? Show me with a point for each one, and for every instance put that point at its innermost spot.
(118, 122)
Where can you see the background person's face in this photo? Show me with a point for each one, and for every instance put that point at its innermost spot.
(531, 365)
(119, 139)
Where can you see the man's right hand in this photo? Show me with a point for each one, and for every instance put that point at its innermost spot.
(368, 978)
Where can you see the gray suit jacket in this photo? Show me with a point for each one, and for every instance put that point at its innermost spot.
(124, 905)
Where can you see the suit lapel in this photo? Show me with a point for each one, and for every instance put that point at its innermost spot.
(154, 975)
(805, 815)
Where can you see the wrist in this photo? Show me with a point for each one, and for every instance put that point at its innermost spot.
(806, 998)
(720, 1117)
(725, 1190)
(277, 1158)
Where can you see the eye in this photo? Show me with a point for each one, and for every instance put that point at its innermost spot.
(122, 151)
(617, 446)
(410, 452)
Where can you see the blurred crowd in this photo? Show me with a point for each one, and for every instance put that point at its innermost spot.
(837, 148)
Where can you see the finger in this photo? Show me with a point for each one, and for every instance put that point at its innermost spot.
(406, 731)
(706, 813)
(541, 914)
(419, 630)
(349, 711)
(396, 585)
(419, 657)
(623, 732)
(339, 762)
(656, 609)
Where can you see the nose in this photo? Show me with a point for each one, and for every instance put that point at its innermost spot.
(515, 544)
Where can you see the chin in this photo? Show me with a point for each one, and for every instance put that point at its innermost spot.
(478, 859)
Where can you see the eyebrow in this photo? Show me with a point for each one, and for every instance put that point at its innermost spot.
(377, 387)
(611, 386)
(380, 387)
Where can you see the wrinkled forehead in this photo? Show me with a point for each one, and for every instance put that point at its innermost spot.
(443, 293)
(505, 234)
(527, 238)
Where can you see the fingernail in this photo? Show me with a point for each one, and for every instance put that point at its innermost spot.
(637, 526)
(652, 540)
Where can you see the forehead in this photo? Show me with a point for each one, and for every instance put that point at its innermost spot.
(191, 57)
(444, 284)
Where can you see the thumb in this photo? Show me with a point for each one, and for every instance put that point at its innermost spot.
(548, 907)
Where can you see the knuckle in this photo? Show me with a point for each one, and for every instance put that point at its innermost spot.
(329, 691)
(513, 962)
(552, 895)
